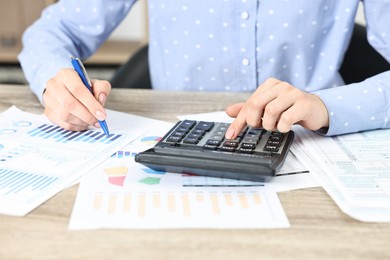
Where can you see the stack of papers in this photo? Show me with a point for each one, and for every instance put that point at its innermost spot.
(355, 171)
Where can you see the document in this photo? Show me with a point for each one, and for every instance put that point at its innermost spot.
(123, 194)
(355, 171)
(39, 159)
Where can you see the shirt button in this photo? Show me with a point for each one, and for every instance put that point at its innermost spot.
(245, 62)
(244, 15)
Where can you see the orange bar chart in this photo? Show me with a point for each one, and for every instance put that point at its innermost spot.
(181, 203)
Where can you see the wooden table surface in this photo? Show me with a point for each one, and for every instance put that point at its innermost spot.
(319, 230)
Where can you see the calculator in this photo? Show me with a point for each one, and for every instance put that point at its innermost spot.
(200, 148)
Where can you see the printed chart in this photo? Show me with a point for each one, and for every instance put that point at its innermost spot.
(121, 193)
(182, 208)
(38, 159)
(57, 134)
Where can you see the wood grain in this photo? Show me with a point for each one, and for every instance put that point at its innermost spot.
(319, 230)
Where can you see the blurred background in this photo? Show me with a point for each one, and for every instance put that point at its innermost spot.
(17, 15)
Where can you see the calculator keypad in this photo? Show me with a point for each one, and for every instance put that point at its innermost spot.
(211, 136)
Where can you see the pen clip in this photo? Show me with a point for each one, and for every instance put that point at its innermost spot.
(84, 71)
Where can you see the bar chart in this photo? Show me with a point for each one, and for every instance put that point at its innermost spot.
(60, 135)
(38, 159)
(12, 182)
(124, 154)
(124, 194)
(236, 208)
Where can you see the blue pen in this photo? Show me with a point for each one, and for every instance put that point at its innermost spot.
(80, 69)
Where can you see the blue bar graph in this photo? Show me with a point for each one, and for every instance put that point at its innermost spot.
(12, 181)
(60, 135)
(124, 154)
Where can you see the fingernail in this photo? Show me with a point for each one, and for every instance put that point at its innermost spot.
(229, 133)
(100, 116)
(102, 99)
(97, 125)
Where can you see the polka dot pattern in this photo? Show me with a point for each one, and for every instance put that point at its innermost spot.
(228, 45)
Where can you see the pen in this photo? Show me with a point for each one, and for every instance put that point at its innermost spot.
(80, 69)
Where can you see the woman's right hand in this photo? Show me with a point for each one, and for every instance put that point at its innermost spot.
(69, 104)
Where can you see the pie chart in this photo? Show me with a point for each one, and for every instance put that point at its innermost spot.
(151, 140)
(116, 175)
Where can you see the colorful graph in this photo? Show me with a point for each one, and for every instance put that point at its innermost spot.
(116, 175)
(151, 140)
(12, 181)
(39, 159)
(124, 154)
(151, 171)
(142, 204)
(150, 180)
(61, 135)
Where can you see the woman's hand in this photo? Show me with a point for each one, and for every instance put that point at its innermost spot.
(277, 105)
(69, 103)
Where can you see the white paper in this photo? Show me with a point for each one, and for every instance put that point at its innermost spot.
(39, 159)
(124, 194)
(355, 171)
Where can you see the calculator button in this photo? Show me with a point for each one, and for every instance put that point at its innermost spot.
(219, 133)
(217, 137)
(255, 131)
(189, 140)
(227, 149)
(222, 128)
(188, 124)
(177, 133)
(213, 142)
(245, 150)
(275, 138)
(195, 136)
(229, 143)
(248, 146)
(198, 131)
(274, 142)
(250, 140)
(205, 125)
(182, 129)
(271, 148)
(210, 147)
(277, 134)
(173, 139)
(253, 136)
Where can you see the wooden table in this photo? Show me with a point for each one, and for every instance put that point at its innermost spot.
(318, 228)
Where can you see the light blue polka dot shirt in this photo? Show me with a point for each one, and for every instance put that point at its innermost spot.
(229, 45)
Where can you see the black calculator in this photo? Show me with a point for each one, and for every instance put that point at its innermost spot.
(200, 148)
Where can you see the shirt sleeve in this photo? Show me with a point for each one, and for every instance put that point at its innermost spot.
(364, 105)
(65, 29)
(359, 106)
